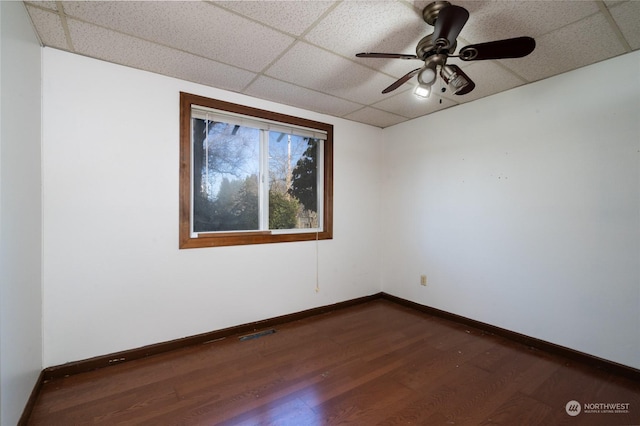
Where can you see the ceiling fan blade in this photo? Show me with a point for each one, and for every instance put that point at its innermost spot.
(500, 49)
(449, 23)
(386, 55)
(401, 80)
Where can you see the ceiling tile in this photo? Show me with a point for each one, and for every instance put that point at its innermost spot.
(46, 4)
(375, 117)
(317, 69)
(197, 27)
(119, 48)
(498, 20)
(49, 27)
(490, 77)
(568, 48)
(407, 104)
(393, 67)
(372, 26)
(302, 53)
(627, 16)
(289, 94)
(293, 17)
(359, 26)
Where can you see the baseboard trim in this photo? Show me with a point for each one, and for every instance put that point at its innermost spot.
(31, 402)
(571, 354)
(90, 364)
(102, 361)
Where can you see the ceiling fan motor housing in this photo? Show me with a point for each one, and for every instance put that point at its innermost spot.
(427, 47)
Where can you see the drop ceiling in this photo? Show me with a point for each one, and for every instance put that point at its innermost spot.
(302, 53)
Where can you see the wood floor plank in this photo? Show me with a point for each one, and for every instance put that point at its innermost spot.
(291, 412)
(512, 374)
(373, 363)
(522, 407)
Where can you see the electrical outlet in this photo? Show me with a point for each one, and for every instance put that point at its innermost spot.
(423, 280)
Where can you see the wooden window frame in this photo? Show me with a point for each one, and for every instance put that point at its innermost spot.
(186, 240)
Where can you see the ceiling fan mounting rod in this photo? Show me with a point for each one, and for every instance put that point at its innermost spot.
(431, 11)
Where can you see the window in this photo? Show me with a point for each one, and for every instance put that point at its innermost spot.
(250, 176)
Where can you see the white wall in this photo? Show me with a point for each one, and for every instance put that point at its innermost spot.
(20, 211)
(523, 209)
(114, 278)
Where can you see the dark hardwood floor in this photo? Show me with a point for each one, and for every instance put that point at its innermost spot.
(375, 363)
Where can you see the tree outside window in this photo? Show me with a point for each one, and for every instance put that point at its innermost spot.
(252, 176)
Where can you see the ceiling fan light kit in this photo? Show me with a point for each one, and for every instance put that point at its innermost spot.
(434, 49)
(422, 91)
(459, 83)
(427, 76)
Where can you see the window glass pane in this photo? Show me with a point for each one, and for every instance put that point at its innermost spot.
(293, 181)
(251, 176)
(226, 160)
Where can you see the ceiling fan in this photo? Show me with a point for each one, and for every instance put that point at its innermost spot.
(437, 47)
